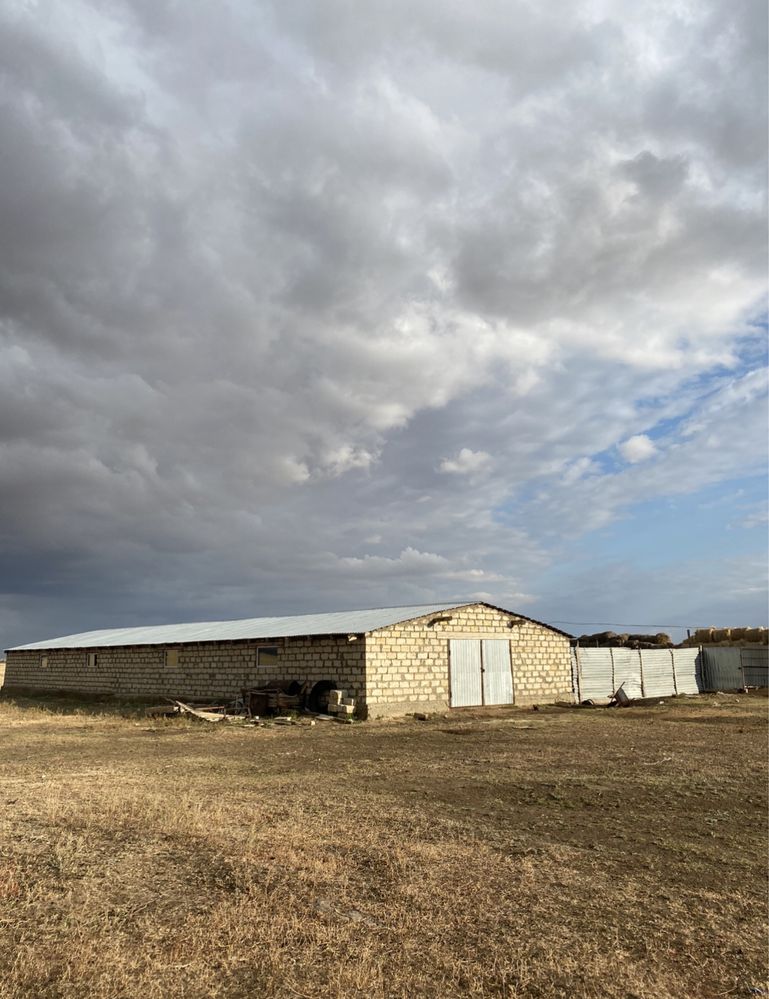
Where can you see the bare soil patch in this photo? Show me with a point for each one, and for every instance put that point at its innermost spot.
(562, 852)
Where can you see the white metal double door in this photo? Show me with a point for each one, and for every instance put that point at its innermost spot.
(480, 672)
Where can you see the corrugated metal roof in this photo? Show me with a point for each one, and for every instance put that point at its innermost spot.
(337, 623)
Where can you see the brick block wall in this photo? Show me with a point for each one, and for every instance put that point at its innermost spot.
(541, 661)
(204, 670)
(408, 664)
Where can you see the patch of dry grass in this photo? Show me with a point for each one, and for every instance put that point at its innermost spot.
(558, 853)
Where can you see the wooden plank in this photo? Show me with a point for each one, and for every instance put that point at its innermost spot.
(209, 716)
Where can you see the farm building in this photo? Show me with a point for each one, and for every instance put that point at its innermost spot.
(392, 660)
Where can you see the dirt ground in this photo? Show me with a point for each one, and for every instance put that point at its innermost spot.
(559, 852)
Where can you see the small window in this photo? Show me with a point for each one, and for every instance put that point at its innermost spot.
(93, 659)
(172, 658)
(44, 662)
(267, 655)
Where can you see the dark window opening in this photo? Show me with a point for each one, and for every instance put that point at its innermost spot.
(267, 655)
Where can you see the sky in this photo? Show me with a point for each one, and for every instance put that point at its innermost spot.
(312, 307)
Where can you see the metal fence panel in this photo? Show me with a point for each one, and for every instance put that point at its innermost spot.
(721, 668)
(596, 673)
(657, 668)
(755, 666)
(664, 672)
(627, 671)
(687, 667)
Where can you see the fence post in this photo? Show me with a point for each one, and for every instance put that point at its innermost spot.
(579, 676)
(641, 671)
(673, 668)
(613, 678)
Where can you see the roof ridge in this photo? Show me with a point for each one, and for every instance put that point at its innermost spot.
(237, 628)
(260, 617)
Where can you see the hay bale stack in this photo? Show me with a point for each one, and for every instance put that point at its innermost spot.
(727, 636)
(649, 641)
(599, 640)
(610, 639)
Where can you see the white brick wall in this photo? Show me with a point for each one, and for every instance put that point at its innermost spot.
(408, 664)
(206, 669)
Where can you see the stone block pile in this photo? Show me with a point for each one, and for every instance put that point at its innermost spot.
(340, 704)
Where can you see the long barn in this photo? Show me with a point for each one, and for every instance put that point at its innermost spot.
(393, 660)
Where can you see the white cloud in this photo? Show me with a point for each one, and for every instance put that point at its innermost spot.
(755, 518)
(637, 448)
(342, 459)
(466, 462)
(410, 561)
(578, 469)
(293, 470)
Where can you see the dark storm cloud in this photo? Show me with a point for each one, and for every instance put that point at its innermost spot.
(311, 305)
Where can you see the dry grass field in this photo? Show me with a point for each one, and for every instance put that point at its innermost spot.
(563, 852)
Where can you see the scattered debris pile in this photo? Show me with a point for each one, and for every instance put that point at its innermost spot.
(274, 697)
(206, 712)
(619, 699)
(277, 700)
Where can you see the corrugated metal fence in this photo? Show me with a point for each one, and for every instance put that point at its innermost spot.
(755, 666)
(599, 673)
(640, 672)
(725, 668)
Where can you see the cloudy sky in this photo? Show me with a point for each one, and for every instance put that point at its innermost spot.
(310, 306)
